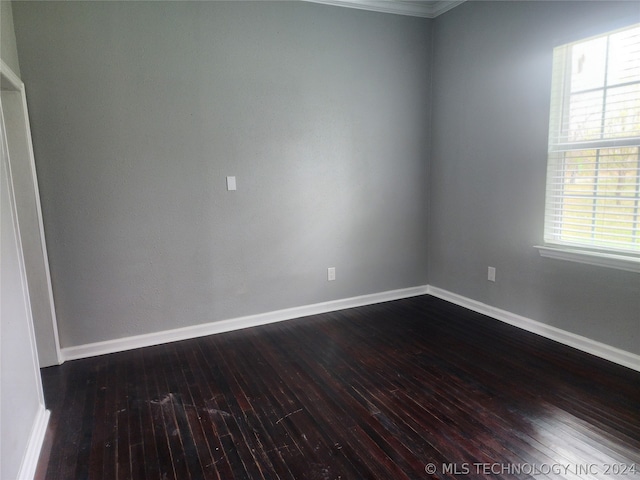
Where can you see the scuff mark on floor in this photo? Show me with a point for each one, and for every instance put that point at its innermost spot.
(288, 415)
(215, 411)
(166, 399)
(373, 410)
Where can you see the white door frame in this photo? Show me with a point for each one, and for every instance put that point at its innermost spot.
(12, 83)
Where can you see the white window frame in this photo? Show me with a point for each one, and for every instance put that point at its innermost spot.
(554, 246)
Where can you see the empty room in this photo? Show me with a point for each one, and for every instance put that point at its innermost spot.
(333, 239)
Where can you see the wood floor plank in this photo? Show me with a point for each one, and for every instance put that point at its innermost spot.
(339, 425)
(123, 451)
(311, 440)
(273, 438)
(164, 402)
(410, 389)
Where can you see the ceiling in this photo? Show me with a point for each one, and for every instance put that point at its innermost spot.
(414, 8)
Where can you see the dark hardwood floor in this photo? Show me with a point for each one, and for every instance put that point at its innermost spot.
(416, 388)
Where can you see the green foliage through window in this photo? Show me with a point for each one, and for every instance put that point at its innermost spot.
(593, 182)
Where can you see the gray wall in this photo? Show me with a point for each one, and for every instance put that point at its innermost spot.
(491, 90)
(8, 50)
(140, 109)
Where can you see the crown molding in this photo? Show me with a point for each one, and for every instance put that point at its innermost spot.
(438, 8)
(424, 8)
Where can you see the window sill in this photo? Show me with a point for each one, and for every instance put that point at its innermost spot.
(609, 260)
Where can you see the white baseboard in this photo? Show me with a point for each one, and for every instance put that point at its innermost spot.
(185, 333)
(32, 454)
(585, 344)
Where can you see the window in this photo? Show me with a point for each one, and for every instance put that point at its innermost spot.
(593, 179)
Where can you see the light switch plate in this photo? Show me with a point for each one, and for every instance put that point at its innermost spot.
(331, 274)
(491, 274)
(231, 183)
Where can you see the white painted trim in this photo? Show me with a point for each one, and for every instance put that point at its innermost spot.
(585, 344)
(18, 86)
(32, 454)
(398, 7)
(10, 76)
(619, 262)
(185, 333)
(444, 6)
(21, 266)
(43, 242)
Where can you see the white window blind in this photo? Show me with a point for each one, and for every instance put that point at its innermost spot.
(593, 179)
